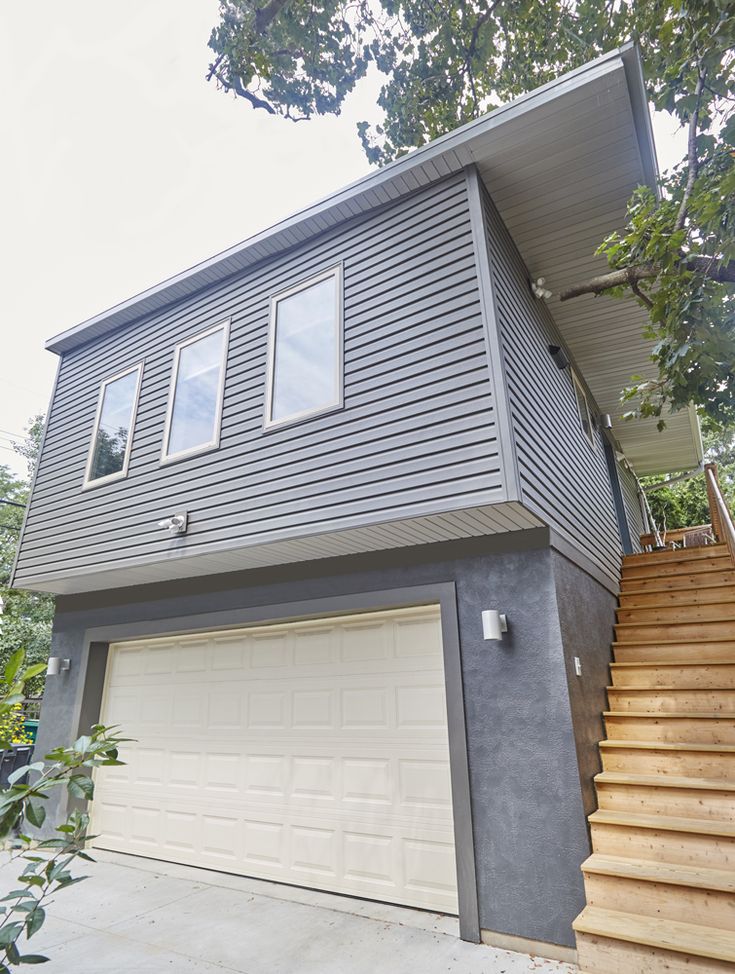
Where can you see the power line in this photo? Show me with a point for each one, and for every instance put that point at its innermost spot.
(12, 503)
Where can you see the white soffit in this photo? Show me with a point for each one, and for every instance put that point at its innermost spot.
(560, 163)
(561, 178)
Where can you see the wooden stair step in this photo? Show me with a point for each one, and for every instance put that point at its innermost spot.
(640, 598)
(667, 758)
(696, 631)
(669, 891)
(672, 699)
(661, 781)
(663, 838)
(680, 796)
(692, 940)
(670, 823)
(682, 612)
(672, 874)
(716, 563)
(650, 651)
(703, 674)
(673, 726)
(655, 582)
(676, 555)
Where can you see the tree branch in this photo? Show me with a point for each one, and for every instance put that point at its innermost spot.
(264, 16)
(692, 159)
(630, 276)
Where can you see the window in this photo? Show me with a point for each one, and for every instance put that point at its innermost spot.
(109, 450)
(195, 397)
(305, 350)
(583, 408)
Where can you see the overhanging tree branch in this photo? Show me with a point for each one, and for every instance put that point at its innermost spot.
(630, 276)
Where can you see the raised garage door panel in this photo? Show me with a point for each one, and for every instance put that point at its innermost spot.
(313, 753)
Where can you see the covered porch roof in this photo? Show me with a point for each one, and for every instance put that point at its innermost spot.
(560, 164)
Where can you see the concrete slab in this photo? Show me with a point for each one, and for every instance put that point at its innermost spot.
(151, 917)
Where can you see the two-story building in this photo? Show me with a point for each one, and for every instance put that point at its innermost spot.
(284, 497)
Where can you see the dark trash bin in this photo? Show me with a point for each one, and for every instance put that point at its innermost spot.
(14, 757)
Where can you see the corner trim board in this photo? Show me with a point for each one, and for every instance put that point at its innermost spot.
(493, 341)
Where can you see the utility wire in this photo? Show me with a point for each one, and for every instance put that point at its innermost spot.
(12, 503)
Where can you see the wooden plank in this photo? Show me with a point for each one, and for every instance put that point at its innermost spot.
(670, 727)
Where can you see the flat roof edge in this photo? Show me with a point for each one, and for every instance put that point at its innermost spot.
(460, 139)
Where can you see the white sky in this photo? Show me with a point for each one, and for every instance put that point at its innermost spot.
(121, 166)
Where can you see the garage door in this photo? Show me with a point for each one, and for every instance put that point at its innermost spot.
(313, 753)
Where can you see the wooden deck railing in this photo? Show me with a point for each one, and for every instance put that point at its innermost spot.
(722, 522)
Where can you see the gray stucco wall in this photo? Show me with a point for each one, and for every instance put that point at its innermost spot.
(528, 817)
(586, 612)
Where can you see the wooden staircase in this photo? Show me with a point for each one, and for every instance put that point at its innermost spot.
(660, 882)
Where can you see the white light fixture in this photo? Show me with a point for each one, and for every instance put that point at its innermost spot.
(176, 524)
(494, 624)
(539, 291)
(57, 665)
(606, 421)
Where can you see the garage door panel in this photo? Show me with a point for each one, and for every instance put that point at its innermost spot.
(313, 753)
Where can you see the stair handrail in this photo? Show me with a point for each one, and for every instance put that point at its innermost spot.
(722, 521)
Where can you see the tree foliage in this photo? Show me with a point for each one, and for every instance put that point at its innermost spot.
(684, 503)
(445, 64)
(27, 616)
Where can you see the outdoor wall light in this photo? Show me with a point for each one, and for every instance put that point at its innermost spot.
(559, 357)
(606, 421)
(57, 665)
(494, 624)
(176, 524)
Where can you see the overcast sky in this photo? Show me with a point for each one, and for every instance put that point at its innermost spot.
(121, 166)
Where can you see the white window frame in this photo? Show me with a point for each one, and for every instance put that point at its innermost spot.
(120, 474)
(580, 396)
(336, 271)
(213, 444)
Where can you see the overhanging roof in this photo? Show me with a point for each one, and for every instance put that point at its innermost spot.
(560, 164)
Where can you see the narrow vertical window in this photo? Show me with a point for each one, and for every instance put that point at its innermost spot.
(195, 396)
(305, 350)
(583, 408)
(109, 450)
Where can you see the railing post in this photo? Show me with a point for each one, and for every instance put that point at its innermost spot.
(710, 479)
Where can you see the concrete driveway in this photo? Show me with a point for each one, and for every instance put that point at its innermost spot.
(149, 917)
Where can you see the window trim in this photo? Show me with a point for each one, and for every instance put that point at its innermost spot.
(580, 393)
(213, 444)
(120, 474)
(337, 272)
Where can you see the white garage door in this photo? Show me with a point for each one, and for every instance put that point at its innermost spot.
(313, 753)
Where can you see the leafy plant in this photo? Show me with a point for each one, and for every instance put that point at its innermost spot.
(444, 64)
(27, 616)
(46, 863)
(12, 726)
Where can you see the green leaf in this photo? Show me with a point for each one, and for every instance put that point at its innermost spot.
(36, 814)
(13, 665)
(35, 921)
(32, 959)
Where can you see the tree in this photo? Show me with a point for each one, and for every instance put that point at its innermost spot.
(27, 616)
(446, 63)
(684, 503)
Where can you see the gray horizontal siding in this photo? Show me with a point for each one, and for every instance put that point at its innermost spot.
(631, 501)
(562, 478)
(417, 433)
